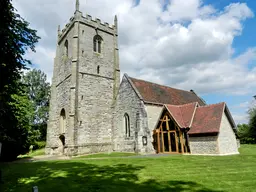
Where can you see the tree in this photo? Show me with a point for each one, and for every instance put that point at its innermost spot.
(15, 39)
(38, 91)
(243, 132)
(252, 123)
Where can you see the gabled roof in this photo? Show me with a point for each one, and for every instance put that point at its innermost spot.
(207, 119)
(183, 114)
(199, 119)
(155, 93)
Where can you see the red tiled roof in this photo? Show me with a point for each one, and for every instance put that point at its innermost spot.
(207, 119)
(154, 93)
(183, 114)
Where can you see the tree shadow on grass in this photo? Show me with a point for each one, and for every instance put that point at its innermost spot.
(85, 177)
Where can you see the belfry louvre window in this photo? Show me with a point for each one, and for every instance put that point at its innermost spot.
(127, 125)
(97, 43)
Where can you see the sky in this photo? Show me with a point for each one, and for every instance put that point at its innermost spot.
(205, 45)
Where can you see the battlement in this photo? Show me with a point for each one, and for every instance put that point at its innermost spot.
(88, 20)
(98, 21)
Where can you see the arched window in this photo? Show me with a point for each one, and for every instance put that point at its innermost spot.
(127, 125)
(66, 48)
(62, 121)
(97, 43)
(98, 69)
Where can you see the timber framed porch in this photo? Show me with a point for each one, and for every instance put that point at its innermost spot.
(169, 137)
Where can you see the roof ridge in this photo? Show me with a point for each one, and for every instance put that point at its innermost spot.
(213, 104)
(182, 104)
(160, 85)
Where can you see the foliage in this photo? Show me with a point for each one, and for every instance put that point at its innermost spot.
(179, 173)
(16, 39)
(38, 91)
(39, 145)
(252, 123)
(243, 132)
(19, 138)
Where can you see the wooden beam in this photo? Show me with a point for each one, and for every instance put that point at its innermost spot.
(158, 142)
(162, 136)
(181, 142)
(169, 141)
(176, 140)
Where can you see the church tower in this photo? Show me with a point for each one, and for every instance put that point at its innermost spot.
(85, 82)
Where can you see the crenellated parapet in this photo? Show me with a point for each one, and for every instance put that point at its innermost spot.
(89, 21)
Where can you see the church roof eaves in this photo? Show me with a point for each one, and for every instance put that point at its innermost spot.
(154, 93)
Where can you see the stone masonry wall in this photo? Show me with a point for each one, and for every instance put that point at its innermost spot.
(94, 113)
(95, 92)
(60, 97)
(203, 145)
(128, 102)
(227, 139)
(153, 113)
(90, 60)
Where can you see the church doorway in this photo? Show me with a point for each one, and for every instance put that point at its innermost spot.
(62, 139)
(62, 130)
(168, 137)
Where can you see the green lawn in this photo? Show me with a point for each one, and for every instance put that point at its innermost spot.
(175, 173)
(106, 155)
(34, 153)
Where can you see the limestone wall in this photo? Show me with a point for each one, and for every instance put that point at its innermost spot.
(90, 60)
(203, 145)
(95, 91)
(227, 139)
(153, 113)
(94, 111)
(53, 129)
(128, 102)
(60, 97)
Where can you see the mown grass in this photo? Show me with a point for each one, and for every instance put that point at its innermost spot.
(34, 153)
(106, 155)
(178, 173)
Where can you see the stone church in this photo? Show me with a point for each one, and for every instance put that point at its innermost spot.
(91, 111)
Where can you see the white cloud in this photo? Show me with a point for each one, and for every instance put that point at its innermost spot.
(240, 118)
(187, 45)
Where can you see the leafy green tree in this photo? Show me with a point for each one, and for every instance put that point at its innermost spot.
(243, 132)
(15, 39)
(252, 123)
(24, 134)
(38, 91)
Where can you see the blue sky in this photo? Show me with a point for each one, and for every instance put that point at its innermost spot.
(240, 44)
(204, 45)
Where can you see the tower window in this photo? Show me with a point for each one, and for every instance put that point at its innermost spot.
(62, 121)
(66, 48)
(97, 43)
(127, 125)
(98, 69)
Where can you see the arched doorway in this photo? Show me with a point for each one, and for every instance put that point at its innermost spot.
(62, 139)
(62, 121)
(62, 130)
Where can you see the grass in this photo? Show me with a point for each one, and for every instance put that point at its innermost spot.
(106, 155)
(178, 173)
(34, 153)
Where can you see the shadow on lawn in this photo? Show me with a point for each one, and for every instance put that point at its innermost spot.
(81, 177)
